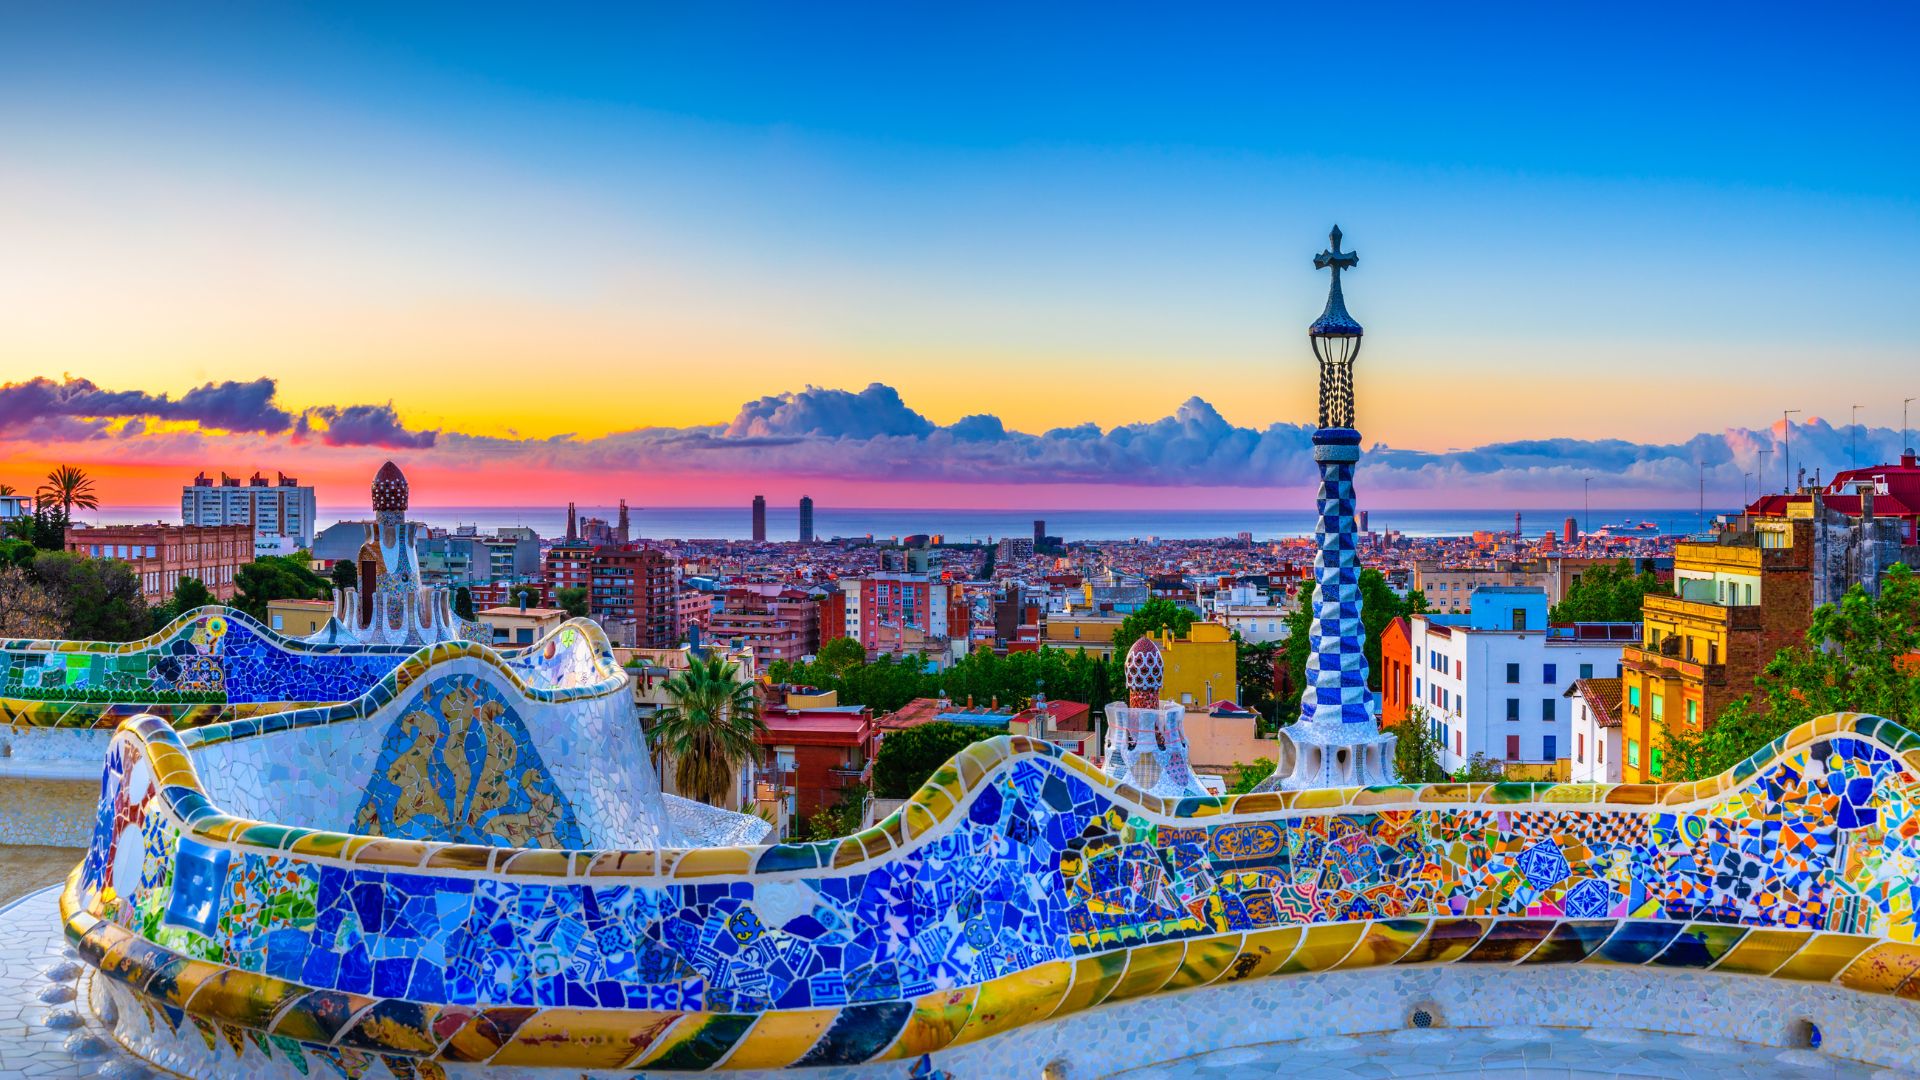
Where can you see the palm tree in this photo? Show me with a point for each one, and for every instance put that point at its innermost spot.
(7, 489)
(68, 486)
(711, 725)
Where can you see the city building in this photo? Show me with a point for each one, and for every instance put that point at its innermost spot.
(759, 519)
(1067, 724)
(1862, 522)
(1256, 623)
(298, 618)
(782, 627)
(281, 513)
(1093, 633)
(1396, 672)
(634, 585)
(1596, 731)
(163, 554)
(1494, 681)
(511, 625)
(813, 757)
(1738, 599)
(15, 506)
(806, 520)
(1200, 668)
(902, 613)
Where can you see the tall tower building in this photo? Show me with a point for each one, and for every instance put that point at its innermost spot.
(759, 519)
(806, 520)
(1337, 742)
(573, 524)
(1039, 534)
(624, 530)
(1570, 533)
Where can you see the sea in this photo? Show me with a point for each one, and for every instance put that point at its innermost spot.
(964, 526)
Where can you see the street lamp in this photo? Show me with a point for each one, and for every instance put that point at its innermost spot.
(1904, 443)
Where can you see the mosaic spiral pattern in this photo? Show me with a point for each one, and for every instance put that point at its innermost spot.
(1018, 885)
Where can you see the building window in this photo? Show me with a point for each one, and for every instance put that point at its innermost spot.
(1600, 750)
(1513, 708)
(1659, 707)
(1633, 753)
(1519, 618)
(1693, 714)
(1655, 767)
(1579, 746)
(1586, 671)
(1513, 673)
(1552, 673)
(1550, 748)
(1513, 748)
(1633, 698)
(1456, 744)
(1546, 709)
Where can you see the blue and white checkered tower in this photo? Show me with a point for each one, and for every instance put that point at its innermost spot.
(1337, 741)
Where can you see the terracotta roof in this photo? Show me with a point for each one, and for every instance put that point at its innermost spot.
(1603, 697)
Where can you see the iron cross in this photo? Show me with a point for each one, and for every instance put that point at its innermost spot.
(1335, 258)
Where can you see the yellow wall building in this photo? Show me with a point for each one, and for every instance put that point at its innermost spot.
(1094, 633)
(1202, 667)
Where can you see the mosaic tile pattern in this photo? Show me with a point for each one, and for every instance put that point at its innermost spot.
(1019, 884)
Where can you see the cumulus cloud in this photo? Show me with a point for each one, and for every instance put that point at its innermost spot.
(874, 434)
(75, 409)
(365, 425)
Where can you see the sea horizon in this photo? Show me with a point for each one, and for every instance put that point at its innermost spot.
(975, 525)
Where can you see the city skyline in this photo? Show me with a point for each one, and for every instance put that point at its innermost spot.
(511, 251)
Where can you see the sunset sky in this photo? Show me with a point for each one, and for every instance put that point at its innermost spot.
(608, 253)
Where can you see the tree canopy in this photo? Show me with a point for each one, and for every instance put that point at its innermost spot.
(1607, 592)
(97, 599)
(907, 758)
(1379, 605)
(1859, 656)
(1151, 617)
(572, 600)
(277, 577)
(710, 725)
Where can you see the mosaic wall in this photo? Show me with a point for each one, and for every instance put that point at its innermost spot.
(216, 663)
(1019, 885)
(203, 667)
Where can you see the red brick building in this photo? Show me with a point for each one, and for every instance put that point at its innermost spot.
(163, 554)
(907, 613)
(625, 583)
(814, 755)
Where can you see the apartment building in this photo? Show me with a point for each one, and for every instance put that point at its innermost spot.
(280, 512)
(163, 554)
(1494, 682)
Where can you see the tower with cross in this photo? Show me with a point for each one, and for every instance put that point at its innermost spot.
(1337, 741)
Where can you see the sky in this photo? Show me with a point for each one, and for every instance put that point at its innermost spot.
(952, 255)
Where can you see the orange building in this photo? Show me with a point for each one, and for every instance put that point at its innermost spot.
(1396, 672)
(1736, 602)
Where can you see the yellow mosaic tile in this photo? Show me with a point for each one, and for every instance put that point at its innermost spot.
(1824, 957)
(242, 997)
(1882, 968)
(1385, 943)
(567, 1038)
(1020, 998)
(1762, 951)
(713, 862)
(779, 1038)
(1094, 977)
(1148, 969)
(936, 1021)
(1324, 946)
(1262, 953)
(1206, 960)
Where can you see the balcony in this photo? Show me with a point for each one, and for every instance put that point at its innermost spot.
(1660, 608)
(1666, 661)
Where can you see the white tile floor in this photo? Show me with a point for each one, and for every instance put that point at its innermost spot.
(43, 1030)
(1518, 1053)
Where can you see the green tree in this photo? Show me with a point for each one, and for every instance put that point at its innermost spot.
(1416, 753)
(66, 487)
(98, 599)
(841, 655)
(1151, 617)
(463, 603)
(344, 575)
(18, 553)
(524, 596)
(1253, 670)
(710, 725)
(1245, 777)
(572, 600)
(907, 758)
(277, 577)
(843, 818)
(26, 609)
(1480, 769)
(1607, 592)
(1857, 658)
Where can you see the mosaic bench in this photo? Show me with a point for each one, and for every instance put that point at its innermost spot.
(1019, 886)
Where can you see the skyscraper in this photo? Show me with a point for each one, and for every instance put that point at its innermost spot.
(759, 519)
(806, 520)
(1039, 533)
(624, 531)
(1571, 532)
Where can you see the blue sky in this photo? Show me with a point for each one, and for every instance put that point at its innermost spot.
(1593, 221)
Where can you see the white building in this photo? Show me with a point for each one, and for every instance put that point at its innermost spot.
(281, 513)
(1494, 681)
(1257, 623)
(1596, 730)
(15, 506)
